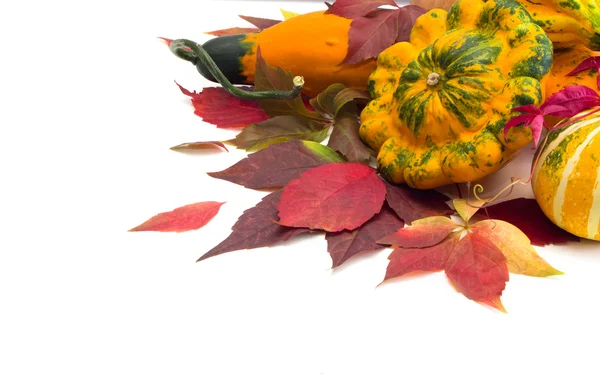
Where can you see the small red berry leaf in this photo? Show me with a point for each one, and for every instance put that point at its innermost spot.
(478, 270)
(256, 228)
(333, 197)
(185, 218)
(345, 244)
(218, 107)
(278, 164)
(422, 233)
(407, 260)
(588, 63)
(527, 215)
(199, 146)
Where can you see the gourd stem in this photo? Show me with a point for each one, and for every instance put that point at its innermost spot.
(433, 79)
(194, 53)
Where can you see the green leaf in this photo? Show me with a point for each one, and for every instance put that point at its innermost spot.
(269, 78)
(279, 129)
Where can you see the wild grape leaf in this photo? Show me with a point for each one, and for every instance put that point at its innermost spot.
(527, 215)
(423, 232)
(200, 146)
(261, 23)
(574, 98)
(521, 257)
(477, 268)
(411, 204)
(217, 106)
(278, 164)
(324, 102)
(407, 16)
(348, 95)
(185, 218)
(233, 31)
(357, 8)
(345, 244)
(275, 78)
(332, 197)
(476, 258)
(279, 129)
(589, 63)
(346, 140)
(433, 4)
(256, 228)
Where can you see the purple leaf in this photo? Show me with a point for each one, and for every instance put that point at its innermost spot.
(588, 63)
(575, 98)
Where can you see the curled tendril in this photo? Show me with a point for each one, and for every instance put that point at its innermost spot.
(193, 52)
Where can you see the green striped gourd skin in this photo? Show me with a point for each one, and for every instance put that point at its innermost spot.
(567, 22)
(490, 57)
(566, 178)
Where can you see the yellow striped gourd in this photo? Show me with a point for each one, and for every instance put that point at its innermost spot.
(566, 178)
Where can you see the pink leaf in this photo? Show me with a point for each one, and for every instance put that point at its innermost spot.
(357, 8)
(588, 63)
(575, 98)
(332, 197)
(185, 218)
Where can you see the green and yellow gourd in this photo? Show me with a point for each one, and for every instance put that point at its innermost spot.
(566, 178)
(440, 101)
(567, 22)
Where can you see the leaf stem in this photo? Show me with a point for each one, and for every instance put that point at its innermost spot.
(190, 51)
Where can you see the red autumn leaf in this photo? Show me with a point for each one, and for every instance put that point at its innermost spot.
(333, 197)
(217, 106)
(478, 269)
(588, 63)
(346, 140)
(278, 164)
(256, 228)
(233, 31)
(345, 244)
(357, 8)
(411, 204)
(422, 233)
(374, 29)
(185, 218)
(408, 260)
(199, 146)
(527, 215)
(261, 23)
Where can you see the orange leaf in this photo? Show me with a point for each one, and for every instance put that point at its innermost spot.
(423, 232)
(186, 218)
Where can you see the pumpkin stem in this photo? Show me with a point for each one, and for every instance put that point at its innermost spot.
(433, 79)
(194, 53)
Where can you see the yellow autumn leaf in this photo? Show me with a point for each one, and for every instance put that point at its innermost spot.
(467, 209)
(521, 257)
(287, 14)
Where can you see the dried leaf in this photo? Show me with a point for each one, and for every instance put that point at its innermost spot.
(422, 233)
(261, 23)
(199, 146)
(233, 31)
(256, 228)
(347, 95)
(324, 102)
(345, 244)
(478, 270)
(357, 8)
(185, 218)
(217, 106)
(280, 129)
(275, 78)
(433, 4)
(411, 204)
(278, 164)
(346, 140)
(521, 257)
(333, 197)
(527, 215)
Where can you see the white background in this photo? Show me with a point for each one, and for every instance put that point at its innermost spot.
(89, 110)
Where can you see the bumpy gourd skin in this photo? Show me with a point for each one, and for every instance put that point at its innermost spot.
(567, 22)
(489, 57)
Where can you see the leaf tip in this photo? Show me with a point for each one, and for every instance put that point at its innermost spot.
(495, 303)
